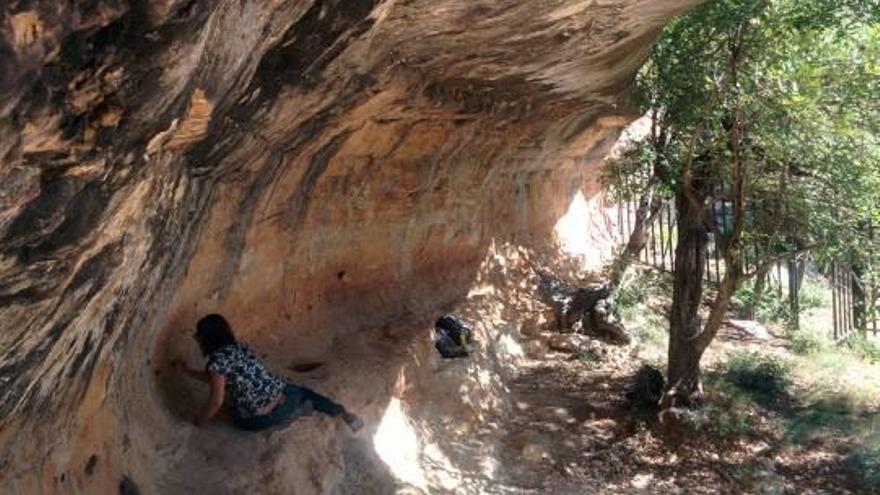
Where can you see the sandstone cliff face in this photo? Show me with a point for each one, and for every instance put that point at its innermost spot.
(308, 168)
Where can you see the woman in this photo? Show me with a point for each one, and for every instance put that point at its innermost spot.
(260, 399)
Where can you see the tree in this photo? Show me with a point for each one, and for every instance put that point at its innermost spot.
(766, 137)
(625, 184)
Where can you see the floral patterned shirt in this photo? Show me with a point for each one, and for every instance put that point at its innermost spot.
(250, 385)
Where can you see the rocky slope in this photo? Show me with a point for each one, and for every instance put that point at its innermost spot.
(309, 168)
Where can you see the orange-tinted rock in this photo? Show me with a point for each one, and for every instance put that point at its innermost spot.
(163, 159)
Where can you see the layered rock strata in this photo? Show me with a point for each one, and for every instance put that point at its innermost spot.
(308, 168)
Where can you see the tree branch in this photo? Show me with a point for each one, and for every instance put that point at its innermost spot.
(776, 259)
(730, 246)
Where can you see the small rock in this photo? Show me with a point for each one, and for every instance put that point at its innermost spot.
(750, 329)
(569, 342)
(534, 452)
(530, 327)
(642, 481)
(536, 349)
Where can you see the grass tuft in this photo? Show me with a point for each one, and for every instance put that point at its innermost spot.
(765, 378)
(804, 343)
(728, 413)
(865, 462)
(863, 348)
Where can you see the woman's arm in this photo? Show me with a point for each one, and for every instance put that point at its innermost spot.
(215, 401)
(181, 367)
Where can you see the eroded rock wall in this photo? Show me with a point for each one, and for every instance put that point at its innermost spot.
(308, 168)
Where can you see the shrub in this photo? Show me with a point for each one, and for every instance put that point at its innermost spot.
(769, 308)
(865, 463)
(728, 412)
(803, 343)
(863, 348)
(765, 378)
(632, 294)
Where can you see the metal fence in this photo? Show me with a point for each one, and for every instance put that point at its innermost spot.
(661, 237)
(855, 303)
(659, 250)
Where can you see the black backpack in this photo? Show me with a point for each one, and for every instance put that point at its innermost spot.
(452, 336)
(457, 330)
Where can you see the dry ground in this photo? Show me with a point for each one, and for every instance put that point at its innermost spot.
(572, 431)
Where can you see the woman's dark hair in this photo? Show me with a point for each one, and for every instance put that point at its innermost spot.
(213, 332)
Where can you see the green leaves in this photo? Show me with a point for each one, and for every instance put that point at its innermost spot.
(803, 77)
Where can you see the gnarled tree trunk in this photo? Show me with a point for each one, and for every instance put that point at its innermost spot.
(685, 325)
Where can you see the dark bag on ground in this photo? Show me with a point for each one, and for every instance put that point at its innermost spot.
(646, 388)
(452, 336)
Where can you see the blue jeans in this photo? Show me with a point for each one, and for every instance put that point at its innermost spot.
(298, 401)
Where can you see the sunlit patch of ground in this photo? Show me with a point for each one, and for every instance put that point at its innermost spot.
(561, 424)
(820, 430)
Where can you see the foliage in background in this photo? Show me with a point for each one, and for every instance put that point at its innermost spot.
(806, 81)
(772, 305)
(640, 301)
(828, 395)
(764, 111)
(768, 305)
(814, 293)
